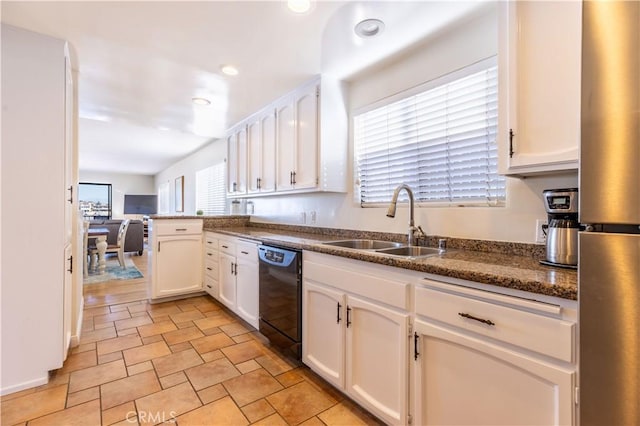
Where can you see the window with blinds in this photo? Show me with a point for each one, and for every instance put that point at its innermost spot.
(210, 190)
(439, 138)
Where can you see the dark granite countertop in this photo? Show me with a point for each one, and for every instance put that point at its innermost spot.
(504, 270)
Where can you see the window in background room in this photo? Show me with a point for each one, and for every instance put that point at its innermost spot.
(95, 200)
(164, 198)
(438, 138)
(210, 190)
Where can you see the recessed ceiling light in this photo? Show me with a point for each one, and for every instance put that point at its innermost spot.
(369, 28)
(229, 70)
(299, 6)
(201, 101)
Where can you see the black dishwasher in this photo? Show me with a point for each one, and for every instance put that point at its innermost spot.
(281, 298)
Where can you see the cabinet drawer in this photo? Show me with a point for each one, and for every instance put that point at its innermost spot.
(177, 227)
(227, 246)
(211, 286)
(210, 242)
(211, 268)
(210, 254)
(549, 336)
(247, 251)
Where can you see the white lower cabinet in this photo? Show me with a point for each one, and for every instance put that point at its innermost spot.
(479, 361)
(210, 256)
(176, 260)
(355, 342)
(238, 277)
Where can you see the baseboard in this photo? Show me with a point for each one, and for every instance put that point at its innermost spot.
(75, 339)
(25, 385)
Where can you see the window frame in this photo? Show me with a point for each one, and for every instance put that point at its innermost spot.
(450, 77)
(110, 197)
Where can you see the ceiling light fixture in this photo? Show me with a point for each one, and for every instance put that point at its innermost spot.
(201, 101)
(299, 6)
(369, 28)
(229, 70)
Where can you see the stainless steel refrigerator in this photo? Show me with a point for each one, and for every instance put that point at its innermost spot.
(609, 259)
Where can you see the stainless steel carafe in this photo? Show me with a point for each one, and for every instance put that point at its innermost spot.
(562, 231)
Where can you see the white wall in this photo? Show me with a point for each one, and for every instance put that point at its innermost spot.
(447, 51)
(211, 154)
(121, 184)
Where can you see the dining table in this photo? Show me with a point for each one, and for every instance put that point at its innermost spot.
(100, 235)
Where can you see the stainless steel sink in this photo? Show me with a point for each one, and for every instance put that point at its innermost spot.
(364, 244)
(411, 251)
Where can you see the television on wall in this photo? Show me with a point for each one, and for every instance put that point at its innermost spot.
(140, 204)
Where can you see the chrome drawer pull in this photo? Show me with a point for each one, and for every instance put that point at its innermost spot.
(181, 229)
(484, 321)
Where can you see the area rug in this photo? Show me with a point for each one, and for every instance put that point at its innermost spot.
(114, 272)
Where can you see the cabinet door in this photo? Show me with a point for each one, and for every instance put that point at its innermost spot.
(237, 161)
(376, 358)
(247, 291)
(539, 72)
(323, 331)
(268, 139)
(460, 379)
(254, 148)
(70, 264)
(227, 281)
(178, 265)
(242, 161)
(286, 140)
(232, 163)
(69, 187)
(306, 155)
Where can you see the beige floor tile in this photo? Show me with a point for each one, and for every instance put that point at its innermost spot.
(79, 361)
(258, 410)
(242, 352)
(251, 387)
(173, 379)
(186, 316)
(163, 311)
(152, 339)
(96, 335)
(118, 344)
(212, 356)
(211, 343)
(242, 338)
(175, 362)
(111, 317)
(83, 396)
(300, 402)
(91, 312)
(80, 415)
(180, 347)
(214, 321)
(128, 389)
(127, 332)
(133, 322)
(183, 335)
(18, 394)
(272, 420)
(211, 373)
(290, 378)
(84, 348)
(234, 329)
(211, 331)
(56, 378)
(208, 306)
(156, 328)
(248, 366)
(273, 364)
(146, 352)
(119, 413)
(139, 368)
(339, 415)
(93, 376)
(166, 404)
(103, 359)
(123, 306)
(103, 325)
(33, 405)
(221, 412)
(212, 393)
(142, 307)
(313, 421)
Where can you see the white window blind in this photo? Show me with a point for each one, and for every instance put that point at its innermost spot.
(441, 141)
(210, 190)
(164, 199)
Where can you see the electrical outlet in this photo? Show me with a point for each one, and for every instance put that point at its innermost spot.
(313, 216)
(541, 234)
(303, 218)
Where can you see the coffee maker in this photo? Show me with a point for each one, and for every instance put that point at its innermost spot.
(563, 226)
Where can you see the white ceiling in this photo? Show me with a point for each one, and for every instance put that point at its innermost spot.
(140, 63)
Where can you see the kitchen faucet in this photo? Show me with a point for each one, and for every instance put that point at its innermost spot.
(392, 212)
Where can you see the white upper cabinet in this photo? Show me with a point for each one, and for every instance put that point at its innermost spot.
(539, 86)
(237, 161)
(261, 147)
(302, 147)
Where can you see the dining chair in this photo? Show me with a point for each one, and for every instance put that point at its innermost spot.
(85, 248)
(118, 247)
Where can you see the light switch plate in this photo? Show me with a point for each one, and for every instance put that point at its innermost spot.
(541, 235)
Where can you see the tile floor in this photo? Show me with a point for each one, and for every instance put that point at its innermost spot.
(190, 362)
